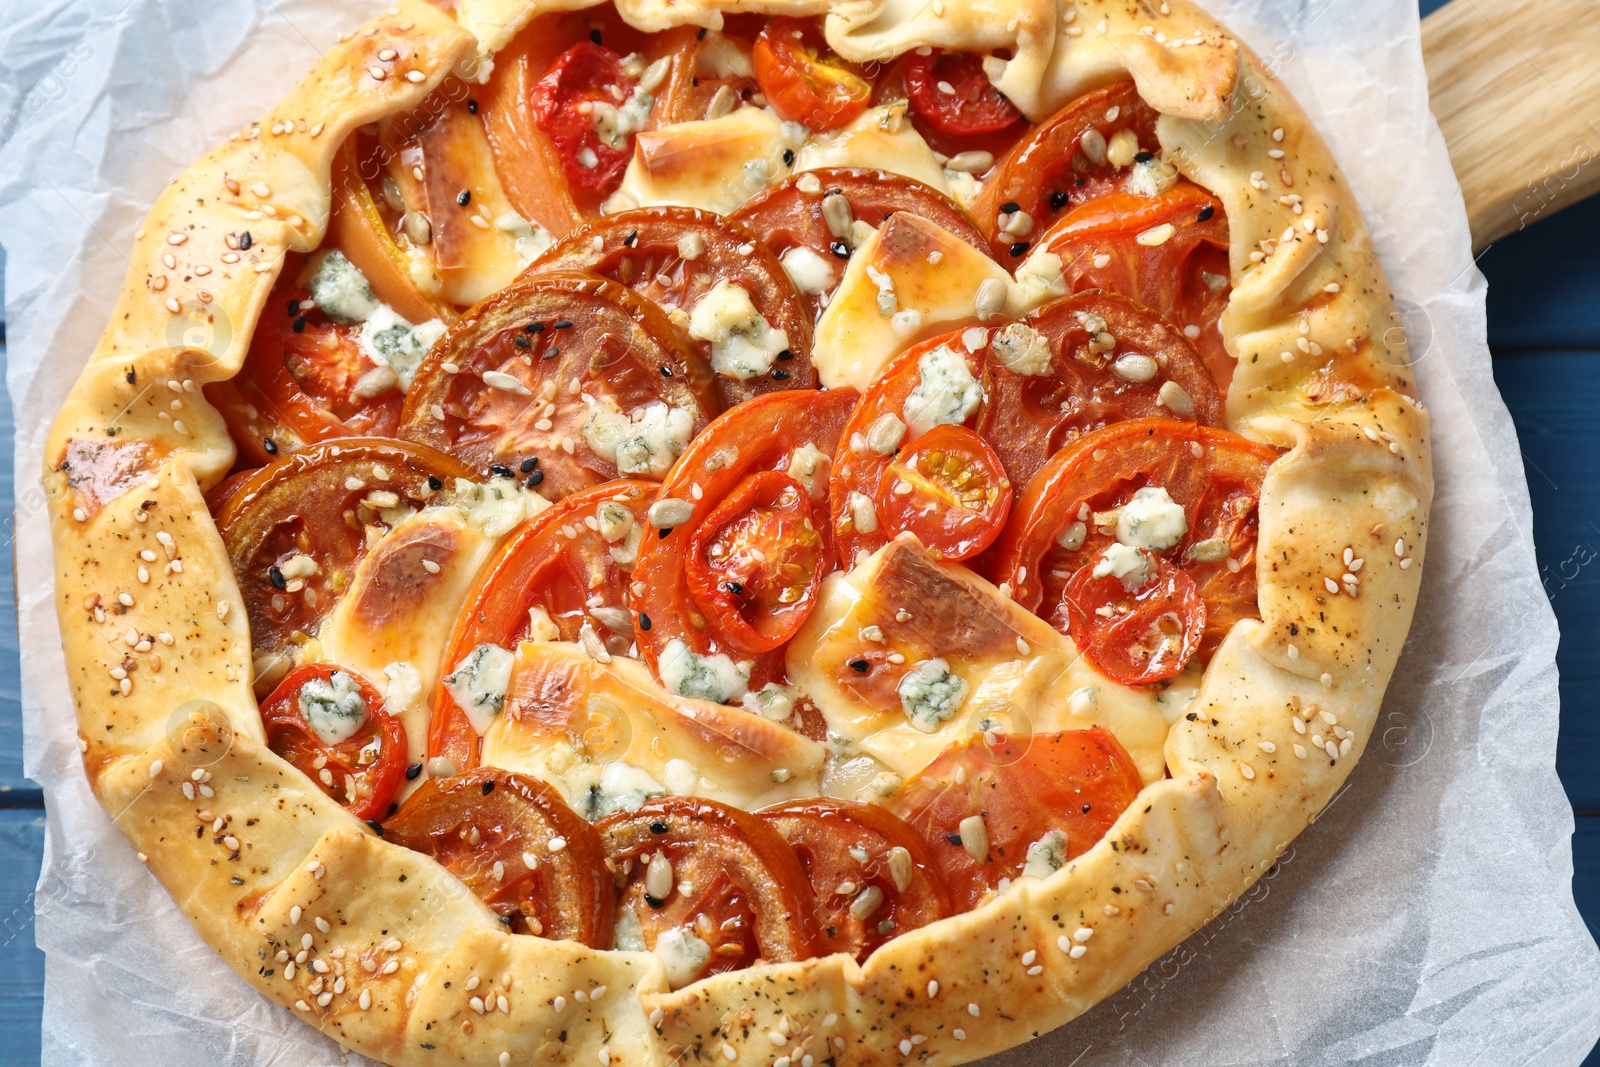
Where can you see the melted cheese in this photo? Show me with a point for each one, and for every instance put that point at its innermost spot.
(1016, 674)
(908, 281)
(713, 164)
(600, 731)
(880, 138)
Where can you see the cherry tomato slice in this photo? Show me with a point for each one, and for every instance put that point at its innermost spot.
(1095, 377)
(1168, 252)
(872, 876)
(541, 584)
(768, 433)
(802, 78)
(364, 767)
(787, 218)
(586, 75)
(1059, 792)
(950, 91)
(676, 256)
(550, 367)
(1053, 169)
(485, 826)
(949, 489)
(295, 529)
(756, 562)
(1214, 475)
(1137, 636)
(727, 879)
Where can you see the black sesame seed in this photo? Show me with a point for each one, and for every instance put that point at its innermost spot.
(644, 621)
(527, 465)
(1058, 200)
(733, 587)
(413, 771)
(954, 839)
(534, 479)
(500, 470)
(1206, 212)
(1010, 207)
(666, 371)
(658, 827)
(236, 880)
(488, 787)
(533, 327)
(654, 903)
(1086, 809)
(786, 354)
(276, 576)
(562, 324)
(521, 341)
(788, 157)
(434, 483)
(840, 249)
(1143, 157)
(464, 197)
(300, 324)
(1020, 247)
(472, 107)
(377, 827)
(665, 530)
(633, 235)
(245, 241)
(294, 307)
(551, 353)
(270, 445)
(700, 36)
(594, 35)
(860, 666)
(779, 374)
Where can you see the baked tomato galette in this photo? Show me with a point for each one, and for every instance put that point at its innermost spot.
(788, 536)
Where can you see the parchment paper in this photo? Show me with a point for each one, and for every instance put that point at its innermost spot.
(1427, 918)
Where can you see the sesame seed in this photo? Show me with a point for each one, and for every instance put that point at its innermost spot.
(416, 77)
(377, 73)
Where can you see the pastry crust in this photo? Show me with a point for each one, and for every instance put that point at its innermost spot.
(377, 945)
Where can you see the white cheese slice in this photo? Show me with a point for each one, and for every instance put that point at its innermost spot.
(713, 164)
(880, 138)
(1020, 675)
(908, 281)
(570, 720)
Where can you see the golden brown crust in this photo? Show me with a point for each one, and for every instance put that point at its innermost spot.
(260, 860)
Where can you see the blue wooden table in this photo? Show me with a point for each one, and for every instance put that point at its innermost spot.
(1544, 330)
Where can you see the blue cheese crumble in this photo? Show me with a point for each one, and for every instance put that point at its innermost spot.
(717, 678)
(743, 343)
(620, 787)
(340, 289)
(946, 393)
(931, 694)
(342, 293)
(1046, 856)
(478, 684)
(1124, 562)
(333, 707)
(647, 442)
(1152, 520)
(683, 954)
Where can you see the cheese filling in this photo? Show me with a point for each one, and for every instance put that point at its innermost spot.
(478, 684)
(743, 343)
(333, 707)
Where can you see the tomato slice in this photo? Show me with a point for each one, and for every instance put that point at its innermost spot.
(295, 528)
(331, 724)
(1064, 519)
(732, 891)
(542, 583)
(1053, 169)
(1136, 636)
(769, 433)
(585, 76)
(517, 845)
(553, 368)
(803, 79)
(371, 238)
(788, 219)
(677, 257)
(1168, 252)
(706, 63)
(949, 489)
(950, 91)
(1095, 377)
(757, 561)
(1056, 794)
(872, 876)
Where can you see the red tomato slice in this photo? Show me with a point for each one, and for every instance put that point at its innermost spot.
(1091, 381)
(497, 831)
(1137, 636)
(786, 217)
(563, 104)
(949, 489)
(872, 876)
(302, 505)
(802, 78)
(644, 250)
(1024, 790)
(725, 877)
(1053, 169)
(522, 373)
(700, 69)
(1168, 252)
(757, 561)
(950, 91)
(758, 436)
(366, 228)
(556, 564)
(1214, 475)
(364, 769)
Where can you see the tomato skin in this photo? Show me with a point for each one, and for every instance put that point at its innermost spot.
(375, 780)
(1023, 786)
(586, 73)
(822, 831)
(803, 80)
(1166, 611)
(958, 493)
(1218, 487)
(537, 565)
(976, 107)
(566, 897)
(750, 898)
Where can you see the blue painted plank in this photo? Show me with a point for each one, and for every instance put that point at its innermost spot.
(1586, 886)
(21, 963)
(15, 790)
(1543, 283)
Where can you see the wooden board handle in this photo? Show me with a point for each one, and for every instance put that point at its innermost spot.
(1515, 85)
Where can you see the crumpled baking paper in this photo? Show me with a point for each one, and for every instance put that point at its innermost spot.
(1426, 918)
